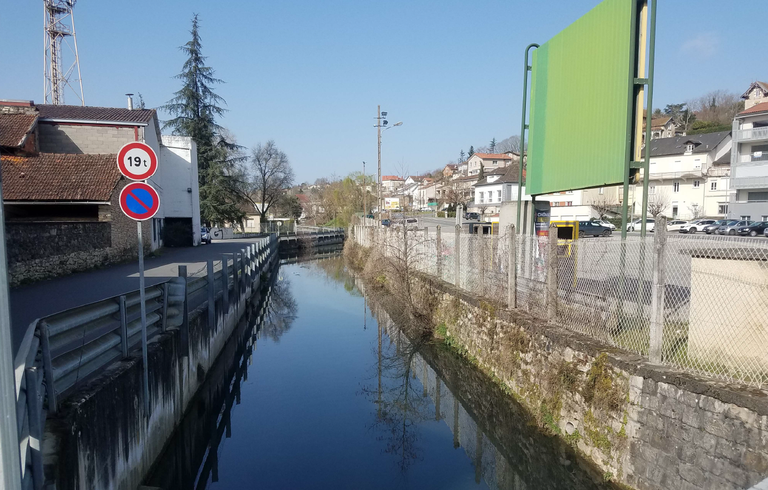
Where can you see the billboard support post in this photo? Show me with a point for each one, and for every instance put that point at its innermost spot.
(526, 68)
(648, 129)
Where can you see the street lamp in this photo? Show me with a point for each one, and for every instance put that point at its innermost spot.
(381, 123)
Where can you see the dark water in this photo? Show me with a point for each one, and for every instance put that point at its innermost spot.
(327, 392)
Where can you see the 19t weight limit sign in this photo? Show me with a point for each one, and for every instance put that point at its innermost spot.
(139, 201)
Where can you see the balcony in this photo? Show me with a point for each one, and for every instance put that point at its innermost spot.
(755, 134)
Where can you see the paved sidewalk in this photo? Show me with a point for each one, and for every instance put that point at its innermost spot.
(47, 297)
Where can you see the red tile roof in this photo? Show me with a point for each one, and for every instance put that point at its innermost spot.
(496, 156)
(13, 128)
(87, 113)
(391, 177)
(59, 177)
(758, 108)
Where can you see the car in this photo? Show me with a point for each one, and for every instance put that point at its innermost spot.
(385, 222)
(675, 225)
(709, 229)
(732, 226)
(205, 235)
(472, 216)
(637, 225)
(412, 224)
(605, 223)
(757, 228)
(695, 226)
(593, 228)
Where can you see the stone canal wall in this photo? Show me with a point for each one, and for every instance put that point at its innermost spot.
(101, 436)
(644, 425)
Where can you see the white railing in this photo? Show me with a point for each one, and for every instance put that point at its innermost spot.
(754, 134)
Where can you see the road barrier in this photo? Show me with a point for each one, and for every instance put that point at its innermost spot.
(61, 352)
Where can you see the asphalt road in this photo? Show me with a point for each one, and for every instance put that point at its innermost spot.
(48, 297)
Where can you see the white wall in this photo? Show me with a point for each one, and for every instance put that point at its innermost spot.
(177, 172)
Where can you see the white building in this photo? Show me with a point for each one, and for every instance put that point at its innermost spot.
(749, 175)
(390, 183)
(489, 161)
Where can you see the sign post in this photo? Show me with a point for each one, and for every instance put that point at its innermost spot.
(140, 202)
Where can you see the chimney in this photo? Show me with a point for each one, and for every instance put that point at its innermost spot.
(130, 101)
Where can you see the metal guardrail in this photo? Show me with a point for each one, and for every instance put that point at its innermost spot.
(59, 352)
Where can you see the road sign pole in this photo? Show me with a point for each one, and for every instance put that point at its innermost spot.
(143, 320)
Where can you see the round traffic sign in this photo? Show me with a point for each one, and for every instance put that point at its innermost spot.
(137, 161)
(139, 201)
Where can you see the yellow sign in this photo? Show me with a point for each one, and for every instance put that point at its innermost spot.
(391, 203)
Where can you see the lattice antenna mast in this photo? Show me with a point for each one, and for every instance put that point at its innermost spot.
(60, 43)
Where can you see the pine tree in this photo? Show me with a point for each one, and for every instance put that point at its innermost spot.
(492, 146)
(462, 156)
(471, 151)
(196, 107)
(481, 175)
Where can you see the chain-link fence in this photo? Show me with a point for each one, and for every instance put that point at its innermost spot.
(694, 302)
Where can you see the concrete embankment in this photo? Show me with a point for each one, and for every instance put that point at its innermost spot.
(101, 436)
(644, 425)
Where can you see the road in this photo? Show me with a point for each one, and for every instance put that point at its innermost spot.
(48, 297)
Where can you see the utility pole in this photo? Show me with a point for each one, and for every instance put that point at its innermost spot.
(378, 187)
(10, 462)
(365, 195)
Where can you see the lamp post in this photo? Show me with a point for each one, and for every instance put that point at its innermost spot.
(365, 195)
(381, 122)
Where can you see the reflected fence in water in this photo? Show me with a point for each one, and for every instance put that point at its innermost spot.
(690, 302)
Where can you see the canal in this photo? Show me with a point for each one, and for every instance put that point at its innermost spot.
(327, 391)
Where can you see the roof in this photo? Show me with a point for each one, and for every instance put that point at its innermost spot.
(493, 156)
(762, 107)
(40, 178)
(676, 145)
(510, 175)
(87, 113)
(762, 85)
(14, 127)
(391, 177)
(659, 122)
(452, 166)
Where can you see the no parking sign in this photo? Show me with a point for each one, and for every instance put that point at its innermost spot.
(139, 201)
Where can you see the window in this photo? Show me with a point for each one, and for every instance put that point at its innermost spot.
(713, 186)
(689, 148)
(495, 162)
(696, 184)
(674, 211)
(757, 196)
(651, 189)
(676, 187)
(764, 217)
(746, 217)
(759, 152)
(601, 191)
(722, 208)
(482, 197)
(498, 193)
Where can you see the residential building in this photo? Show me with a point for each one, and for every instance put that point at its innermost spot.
(463, 169)
(390, 183)
(425, 194)
(661, 127)
(757, 93)
(450, 169)
(749, 159)
(689, 176)
(497, 186)
(60, 179)
(456, 190)
(490, 161)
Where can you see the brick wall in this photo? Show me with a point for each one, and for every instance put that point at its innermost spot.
(63, 138)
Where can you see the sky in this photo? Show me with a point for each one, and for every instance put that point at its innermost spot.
(309, 74)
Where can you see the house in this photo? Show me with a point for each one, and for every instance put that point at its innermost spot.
(689, 176)
(757, 93)
(498, 185)
(450, 169)
(457, 190)
(390, 183)
(61, 221)
(749, 160)
(489, 161)
(425, 194)
(661, 127)
(413, 180)
(463, 169)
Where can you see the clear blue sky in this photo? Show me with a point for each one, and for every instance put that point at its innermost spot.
(309, 74)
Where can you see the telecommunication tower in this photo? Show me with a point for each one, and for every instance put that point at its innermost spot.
(61, 43)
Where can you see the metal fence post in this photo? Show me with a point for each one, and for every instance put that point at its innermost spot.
(439, 251)
(164, 324)
(657, 290)
(34, 413)
(48, 367)
(211, 297)
(552, 275)
(225, 282)
(123, 327)
(184, 331)
(457, 257)
(481, 241)
(511, 268)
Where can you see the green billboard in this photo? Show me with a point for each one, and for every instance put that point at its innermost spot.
(581, 102)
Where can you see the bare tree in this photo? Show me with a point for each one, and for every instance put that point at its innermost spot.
(718, 106)
(511, 144)
(604, 205)
(272, 176)
(658, 202)
(696, 210)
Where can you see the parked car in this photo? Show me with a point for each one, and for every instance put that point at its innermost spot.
(385, 222)
(696, 225)
(732, 227)
(709, 229)
(593, 228)
(675, 225)
(637, 225)
(757, 228)
(472, 216)
(412, 224)
(606, 224)
(205, 235)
